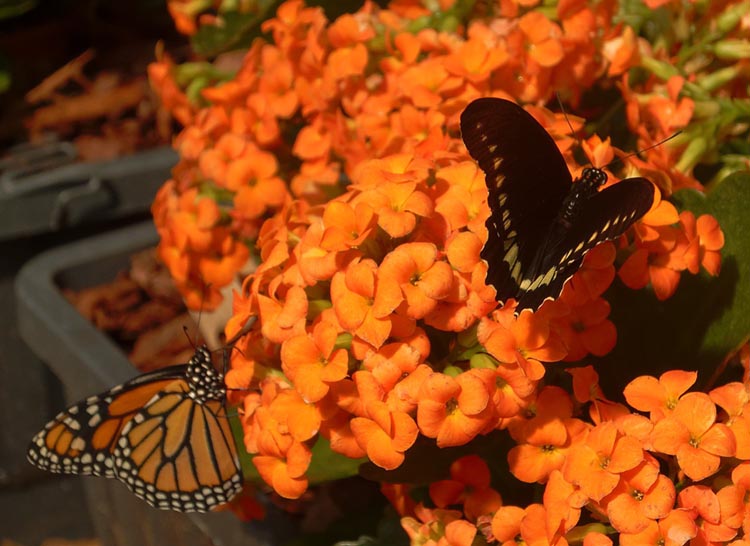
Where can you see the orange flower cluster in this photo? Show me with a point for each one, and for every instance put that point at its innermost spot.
(304, 110)
(335, 149)
(667, 244)
(361, 295)
(681, 88)
(606, 464)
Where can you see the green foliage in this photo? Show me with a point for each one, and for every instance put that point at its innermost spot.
(327, 465)
(5, 75)
(706, 320)
(14, 8)
(236, 31)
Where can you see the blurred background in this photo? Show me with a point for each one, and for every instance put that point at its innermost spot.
(74, 92)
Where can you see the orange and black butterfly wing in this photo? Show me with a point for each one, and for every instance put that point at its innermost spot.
(81, 439)
(178, 453)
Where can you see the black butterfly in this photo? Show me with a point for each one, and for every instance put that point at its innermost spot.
(542, 223)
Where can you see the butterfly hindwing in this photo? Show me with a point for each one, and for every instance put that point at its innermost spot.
(179, 454)
(605, 216)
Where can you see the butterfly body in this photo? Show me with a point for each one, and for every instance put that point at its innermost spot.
(165, 434)
(542, 223)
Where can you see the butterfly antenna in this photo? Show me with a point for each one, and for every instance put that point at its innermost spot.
(189, 338)
(623, 158)
(567, 119)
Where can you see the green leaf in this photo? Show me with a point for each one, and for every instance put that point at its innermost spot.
(708, 317)
(327, 465)
(236, 31)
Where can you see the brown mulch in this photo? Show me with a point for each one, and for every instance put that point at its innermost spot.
(142, 311)
(106, 114)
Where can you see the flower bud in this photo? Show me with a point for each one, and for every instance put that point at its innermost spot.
(693, 153)
(732, 49)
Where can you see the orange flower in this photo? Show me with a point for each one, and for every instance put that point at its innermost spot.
(312, 143)
(285, 473)
(704, 240)
(438, 527)
(398, 206)
(422, 278)
(384, 434)
(346, 226)
(586, 384)
(562, 503)
(317, 263)
(276, 84)
(359, 308)
(470, 486)
(643, 495)
(544, 448)
(506, 524)
(423, 83)
(542, 37)
(691, 433)
(549, 403)
(404, 395)
(474, 60)
(622, 52)
(527, 341)
(455, 410)
(393, 362)
(659, 396)
(337, 430)
(640, 268)
(707, 508)
(596, 464)
(586, 330)
(461, 196)
(312, 362)
(676, 529)
(594, 276)
(733, 398)
(283, 317)
(282, 460)
(214, 162)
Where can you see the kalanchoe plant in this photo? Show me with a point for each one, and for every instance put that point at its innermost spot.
(334, 155)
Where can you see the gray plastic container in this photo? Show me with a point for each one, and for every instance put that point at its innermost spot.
(43, 189)
(87, 362)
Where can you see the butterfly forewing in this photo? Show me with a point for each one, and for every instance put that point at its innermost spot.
(527, 179)
(533, 245)
(81, 439)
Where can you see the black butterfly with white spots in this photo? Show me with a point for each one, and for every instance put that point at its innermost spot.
(542, 222)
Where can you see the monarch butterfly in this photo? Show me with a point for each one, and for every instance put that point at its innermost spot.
(164, 434)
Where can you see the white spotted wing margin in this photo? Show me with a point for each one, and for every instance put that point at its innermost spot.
(534, 246)
(82, 438)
